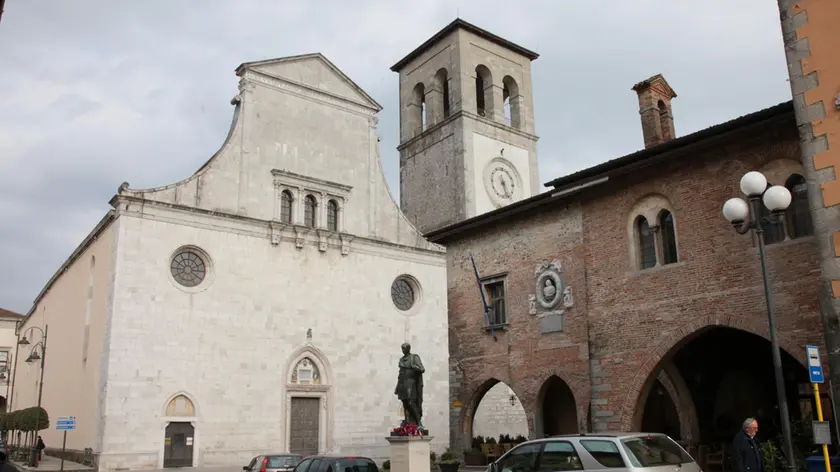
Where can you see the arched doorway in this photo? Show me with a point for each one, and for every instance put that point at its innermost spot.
(499, 413)
(179, 434)
(725, 375)
(557, 409)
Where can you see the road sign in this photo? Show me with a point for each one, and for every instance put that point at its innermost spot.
(822, 432)
(815, 370)
(65, 423)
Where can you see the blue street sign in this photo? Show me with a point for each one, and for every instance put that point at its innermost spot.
(65, 423)
(815, 370)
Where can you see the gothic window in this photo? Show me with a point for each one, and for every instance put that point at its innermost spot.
(669, 237)
(309, 207)
(510, 93)
(188, 268)
(286, 207)
(798, 214)
(647, 243)
(332, 215)
(306, 373)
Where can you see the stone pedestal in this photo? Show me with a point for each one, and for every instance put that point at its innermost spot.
(410, 453)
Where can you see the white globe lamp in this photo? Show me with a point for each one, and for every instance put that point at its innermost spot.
(753, 183)
(777, 198)
(735, 210)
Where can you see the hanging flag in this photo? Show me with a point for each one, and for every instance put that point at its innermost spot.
(483, 299)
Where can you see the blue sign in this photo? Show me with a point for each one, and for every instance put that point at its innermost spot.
(65, 423)
(815, 370)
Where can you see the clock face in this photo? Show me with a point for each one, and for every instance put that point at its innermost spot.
(502, 181)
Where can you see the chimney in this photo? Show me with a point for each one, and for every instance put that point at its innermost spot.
(655, 108)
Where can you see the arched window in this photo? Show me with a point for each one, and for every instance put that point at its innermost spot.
(417, 112)
(286, 206)
(510, 92)
(442, 84)
(773, 232)
(798, 214)
(647, 243)
(310, 205)
(332, 215)
(483, 91)
(669, 237)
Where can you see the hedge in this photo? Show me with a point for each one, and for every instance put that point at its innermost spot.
(24, 420)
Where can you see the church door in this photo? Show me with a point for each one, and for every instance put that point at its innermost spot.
(178, 445)
(303, 427)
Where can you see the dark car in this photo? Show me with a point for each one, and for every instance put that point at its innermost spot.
(329, 463)
(273, 463)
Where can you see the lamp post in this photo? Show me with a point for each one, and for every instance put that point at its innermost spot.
(745, 217)
(34, 356)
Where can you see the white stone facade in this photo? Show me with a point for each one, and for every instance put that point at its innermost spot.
(273, 292)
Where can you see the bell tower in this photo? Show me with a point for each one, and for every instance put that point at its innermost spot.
(467, 139)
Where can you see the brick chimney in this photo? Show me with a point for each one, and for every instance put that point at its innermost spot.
(655, 108)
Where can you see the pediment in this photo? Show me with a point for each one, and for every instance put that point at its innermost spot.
(316, 72)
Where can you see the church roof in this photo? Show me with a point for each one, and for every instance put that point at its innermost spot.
(574, 183)
(461, 24)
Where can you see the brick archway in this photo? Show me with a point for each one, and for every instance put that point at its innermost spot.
(477, 394)
(682, 336)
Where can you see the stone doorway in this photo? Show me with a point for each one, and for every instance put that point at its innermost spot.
(178, 445)
(304, 425)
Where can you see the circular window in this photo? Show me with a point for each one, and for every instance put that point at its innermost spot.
(402, 294)
(188, 268)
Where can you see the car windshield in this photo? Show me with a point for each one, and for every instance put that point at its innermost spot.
(654, 450)
(275, 462)
(353, 464)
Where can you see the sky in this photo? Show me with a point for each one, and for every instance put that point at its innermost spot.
(98, 92)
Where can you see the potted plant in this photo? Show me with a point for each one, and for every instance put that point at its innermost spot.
(473, 457)
(448, 462)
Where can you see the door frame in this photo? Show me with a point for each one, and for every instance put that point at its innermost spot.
(179, 419)
(322, 396)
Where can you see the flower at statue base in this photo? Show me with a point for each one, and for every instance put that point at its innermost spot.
(408, 429)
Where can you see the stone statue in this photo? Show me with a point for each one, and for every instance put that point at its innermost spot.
(549, 290)
(410, 385)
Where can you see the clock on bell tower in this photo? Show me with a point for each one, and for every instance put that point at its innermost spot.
(467, 142)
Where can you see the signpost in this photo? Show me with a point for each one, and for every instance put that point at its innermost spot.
(68, 423)
(822, 432)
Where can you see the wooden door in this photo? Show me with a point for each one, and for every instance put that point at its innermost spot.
(304, 425)
(178, 445)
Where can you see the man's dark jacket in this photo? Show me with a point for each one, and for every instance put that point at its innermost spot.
(746, 454)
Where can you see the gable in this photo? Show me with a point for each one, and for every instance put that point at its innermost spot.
(315, 72)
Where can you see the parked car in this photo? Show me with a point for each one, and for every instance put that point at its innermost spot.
(637, 452)
(327, 463)
(273, 463)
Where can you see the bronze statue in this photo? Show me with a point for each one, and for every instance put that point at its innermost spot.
(410, 385)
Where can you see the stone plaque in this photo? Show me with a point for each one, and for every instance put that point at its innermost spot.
(822, 432)
(551, 323)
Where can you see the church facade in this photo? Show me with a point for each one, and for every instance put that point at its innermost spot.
(256, 306)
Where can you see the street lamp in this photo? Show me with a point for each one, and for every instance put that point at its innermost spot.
(35, 356)
(744, 216)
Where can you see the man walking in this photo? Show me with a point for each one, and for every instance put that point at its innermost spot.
(746, 450)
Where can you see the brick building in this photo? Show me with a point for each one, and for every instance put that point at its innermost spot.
(621, 297)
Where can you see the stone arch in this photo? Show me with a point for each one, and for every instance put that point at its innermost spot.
(558, 385)
(512, 102)
(778, 171)
(484, 105)
(171, 400)
(681, 336)
(468, 414)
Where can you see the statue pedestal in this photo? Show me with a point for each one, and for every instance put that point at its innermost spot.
(410, 453)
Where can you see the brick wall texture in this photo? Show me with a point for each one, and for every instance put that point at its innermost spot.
(626, 322)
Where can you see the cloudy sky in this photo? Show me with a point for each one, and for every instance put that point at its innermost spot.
(97, 92)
